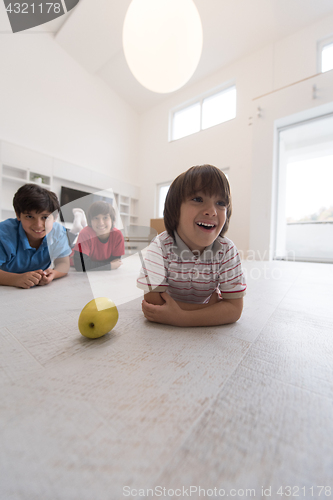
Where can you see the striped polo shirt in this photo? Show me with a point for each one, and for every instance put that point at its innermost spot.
(169, 265)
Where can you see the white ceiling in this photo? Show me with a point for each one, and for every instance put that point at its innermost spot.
(232, 29)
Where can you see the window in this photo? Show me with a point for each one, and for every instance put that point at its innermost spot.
(206, 111)
(327, 58)
(304, 223)
(325, 55)
(162, 191)
(308, 195)
(186, 121)
(219, 108)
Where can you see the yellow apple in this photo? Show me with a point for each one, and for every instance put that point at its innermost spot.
(98, 317)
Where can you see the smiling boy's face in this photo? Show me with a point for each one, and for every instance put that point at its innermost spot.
(36, 225)
(102, 225)
(201, 220)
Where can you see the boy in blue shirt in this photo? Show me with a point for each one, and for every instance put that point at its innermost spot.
(30, 242)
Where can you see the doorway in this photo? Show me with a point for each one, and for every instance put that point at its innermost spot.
(304, 216)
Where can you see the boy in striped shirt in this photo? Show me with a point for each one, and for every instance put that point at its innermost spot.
(192, 273)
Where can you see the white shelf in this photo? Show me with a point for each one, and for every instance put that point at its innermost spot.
(19, 166)
(24, 181)
(14, 171)
(15, 179)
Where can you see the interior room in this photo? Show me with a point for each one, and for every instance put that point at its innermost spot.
(152, 409)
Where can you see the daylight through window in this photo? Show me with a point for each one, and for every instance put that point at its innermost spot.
(186, 121)
(209, 110)
(162, 191)
(219, 108)
(327, 58)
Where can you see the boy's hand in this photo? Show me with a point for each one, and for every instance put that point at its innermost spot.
(169, 313)
(29, 279)
(48, 276)
(116, 263)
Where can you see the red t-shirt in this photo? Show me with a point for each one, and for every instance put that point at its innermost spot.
(89, 244)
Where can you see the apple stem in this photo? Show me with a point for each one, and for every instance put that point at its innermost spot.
(91, 325)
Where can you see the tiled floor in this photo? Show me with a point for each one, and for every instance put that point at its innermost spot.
(237, 407)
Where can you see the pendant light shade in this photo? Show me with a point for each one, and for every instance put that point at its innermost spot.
(162, 42)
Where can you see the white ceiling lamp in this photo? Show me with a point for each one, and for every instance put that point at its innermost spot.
(162, 41)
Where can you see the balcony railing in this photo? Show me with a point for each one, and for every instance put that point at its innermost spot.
(310, 241)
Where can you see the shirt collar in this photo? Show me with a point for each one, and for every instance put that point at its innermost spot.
(183, 251)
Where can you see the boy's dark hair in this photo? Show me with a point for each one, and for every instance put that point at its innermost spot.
(31, 197)
(207, 178)
(100, 207)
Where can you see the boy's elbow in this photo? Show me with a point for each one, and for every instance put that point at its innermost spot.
(62, 265)
(66, 264)
(236, 309)
(236, 316)
(154, 298)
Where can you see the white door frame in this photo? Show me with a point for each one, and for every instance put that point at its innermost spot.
(279, 109)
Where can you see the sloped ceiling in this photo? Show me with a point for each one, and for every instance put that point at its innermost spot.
(232, 29)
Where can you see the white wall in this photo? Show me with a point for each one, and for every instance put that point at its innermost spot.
(231, 143)
(50, 104)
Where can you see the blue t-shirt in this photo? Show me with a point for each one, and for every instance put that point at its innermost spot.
(16, 254)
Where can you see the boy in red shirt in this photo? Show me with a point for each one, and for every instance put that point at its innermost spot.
(99, 245)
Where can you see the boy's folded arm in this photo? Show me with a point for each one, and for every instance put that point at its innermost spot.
(83, 262)
(189, 306)
(113, 257)
(6, 278)
(171, 312)
(21, 280)
(221, 313)
(9, 279)
(154, 298)
(61, 267)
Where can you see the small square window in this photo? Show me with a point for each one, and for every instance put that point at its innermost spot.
(219, 108)
(207, 110)
(327, 58)
(162, 191)
(186, 121)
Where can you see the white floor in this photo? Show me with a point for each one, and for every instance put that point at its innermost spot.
(237, 407)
